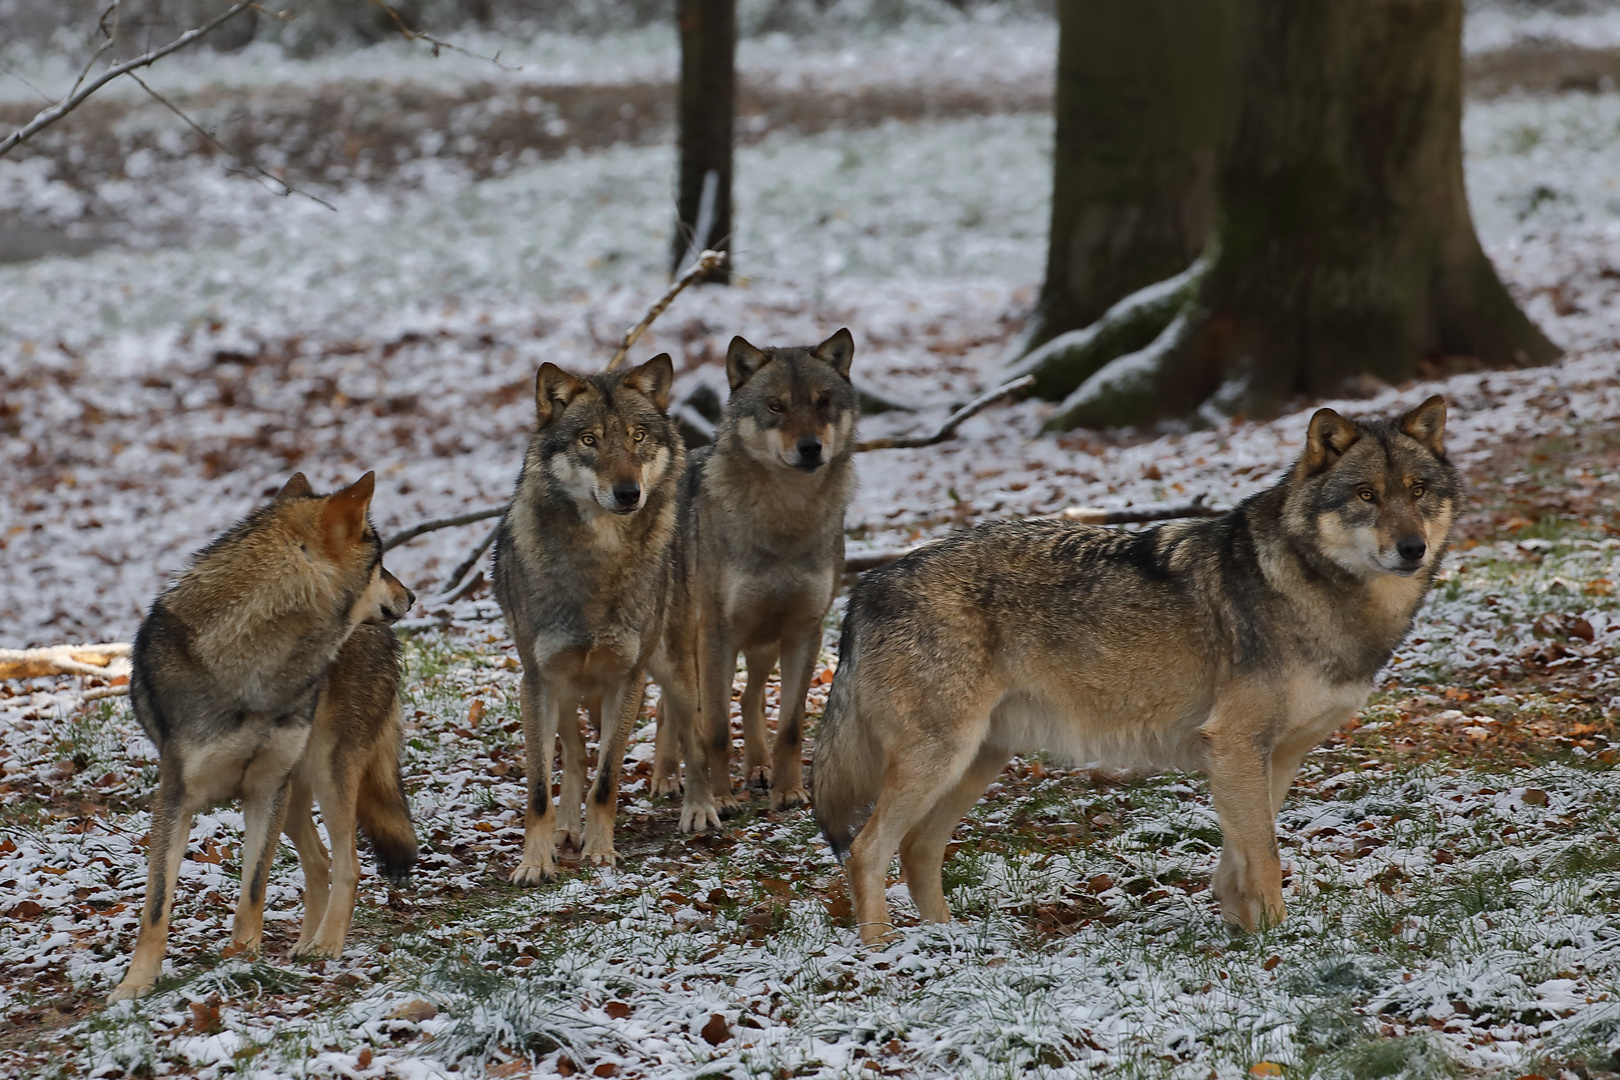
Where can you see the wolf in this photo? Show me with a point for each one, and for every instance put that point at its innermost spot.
(1231, 645)
(582, 572)
(228, 670)
(762, 554)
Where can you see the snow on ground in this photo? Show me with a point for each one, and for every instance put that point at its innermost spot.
(1452, 878)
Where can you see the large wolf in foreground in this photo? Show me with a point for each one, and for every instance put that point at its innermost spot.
(240, 667)
(761, 554)
(1231, 645)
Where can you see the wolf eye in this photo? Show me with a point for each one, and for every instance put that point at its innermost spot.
(639, 434)
(588, 439)
(1417, 490)
(823, 403)
(775, 406)
(1366, 494)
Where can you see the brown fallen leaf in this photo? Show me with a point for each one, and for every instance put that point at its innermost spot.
(415, 1011)
(716, 1031)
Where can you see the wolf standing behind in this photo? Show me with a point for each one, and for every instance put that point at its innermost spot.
(228, 667)
(582, 573)
(1232, 645)
(762, 520)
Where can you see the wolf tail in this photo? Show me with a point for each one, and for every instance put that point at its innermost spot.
(384, 815)
(847, 771)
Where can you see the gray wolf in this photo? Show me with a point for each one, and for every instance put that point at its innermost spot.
(1231, 645)
(228, 672)
(762, 549)
(582, 573)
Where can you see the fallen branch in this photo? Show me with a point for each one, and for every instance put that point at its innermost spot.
(466, 564)
(108, 660)
(706, 261)
(954, 421)
(82, 90)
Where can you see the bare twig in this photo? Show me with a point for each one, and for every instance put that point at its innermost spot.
(707, 260)
(418, 35)
(46, 117)
(468, 518)
(259, 171)
(954, 421)
(466, 564)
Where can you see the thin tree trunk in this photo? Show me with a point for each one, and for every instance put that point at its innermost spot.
(1140, 104)
(1345, 247)
(704, 119)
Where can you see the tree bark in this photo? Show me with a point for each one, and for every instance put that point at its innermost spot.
(1140, 102)
(705, 112)
(1345, 248)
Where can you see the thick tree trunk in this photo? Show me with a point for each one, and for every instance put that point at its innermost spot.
(1141, 91)
(704, 118)
(1345, 248)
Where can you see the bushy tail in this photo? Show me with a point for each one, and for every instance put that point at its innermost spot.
(847, 771)
(384, 815)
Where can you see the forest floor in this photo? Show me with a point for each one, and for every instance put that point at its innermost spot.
(1453, 857)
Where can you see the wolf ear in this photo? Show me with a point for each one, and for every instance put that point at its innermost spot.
(653, 379)
(296, 487)
(343, 518)
(837, 351)
(1328, 437)
(554, 388)
(742, 360)
(1427, 424)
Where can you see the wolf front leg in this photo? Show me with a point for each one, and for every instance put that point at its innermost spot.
(338, 794)
(800, 644)
(172, 812)
(620, 711)
(1248, 881)
(266, 785)
(539, 706)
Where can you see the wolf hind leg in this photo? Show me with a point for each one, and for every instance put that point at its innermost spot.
(539, 707)
(800, 646)
(666, 777)
(1248, 880)
(717, 668)
(571, 794)
(922, 852)
(918, 770)
(172, 812)
(312, 859)
(756, 768)
(621, 710)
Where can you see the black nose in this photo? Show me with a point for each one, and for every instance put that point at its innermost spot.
(809, 448)
(1411, 548)
(627, 493)
(410, 599)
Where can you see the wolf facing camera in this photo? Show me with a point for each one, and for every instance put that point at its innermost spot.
(1231, 645)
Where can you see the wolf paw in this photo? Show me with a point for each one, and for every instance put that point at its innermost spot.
(568, 838)
(129, 991)
(667, 784)
(699, 817)
(759, 777)
(601, 855)
(729, 804)
(317, 950)
(533, 873)
(783, 800)
(247, 947)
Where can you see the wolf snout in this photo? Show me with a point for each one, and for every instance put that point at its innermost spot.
(626, 496)
(1411, 548)
(809, 448)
